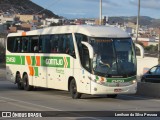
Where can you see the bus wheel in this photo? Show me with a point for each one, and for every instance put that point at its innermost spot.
(19, 83)
(73, 90)
(143, 80)
(27, 87)
(112, 96)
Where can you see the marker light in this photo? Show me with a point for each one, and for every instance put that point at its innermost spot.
(134, 81)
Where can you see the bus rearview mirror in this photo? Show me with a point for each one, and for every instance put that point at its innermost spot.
(90, 49)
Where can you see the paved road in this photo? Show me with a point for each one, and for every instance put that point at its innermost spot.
(12, 99)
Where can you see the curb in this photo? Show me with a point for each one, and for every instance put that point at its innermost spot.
(148, 89)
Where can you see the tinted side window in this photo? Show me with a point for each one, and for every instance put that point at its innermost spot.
(45, 43)
(14, 44)
(10, 44)
(68, 46)
(79, 39)
(54, 44)
(153, 70)
(158, 71)
(25, 42)
(33, 44)
(62, 43)
(83, 51)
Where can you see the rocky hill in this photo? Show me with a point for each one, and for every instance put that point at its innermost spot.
(24, 7)
(144, 20)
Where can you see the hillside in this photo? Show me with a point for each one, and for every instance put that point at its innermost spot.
(24, 7)
(144, 20)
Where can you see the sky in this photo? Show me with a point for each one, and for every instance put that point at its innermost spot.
(91, 9)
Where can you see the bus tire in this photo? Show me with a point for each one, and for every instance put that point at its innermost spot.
(27, 87)
(143, 80)
(112, 96)
(19, 83)
(73, 90)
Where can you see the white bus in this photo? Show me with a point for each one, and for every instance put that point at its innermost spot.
(96, 60)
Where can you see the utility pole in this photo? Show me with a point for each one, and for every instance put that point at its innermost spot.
(159, 48)
(100, 19)
(137, 28)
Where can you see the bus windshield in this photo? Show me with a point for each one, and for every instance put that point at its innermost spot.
(113, 57)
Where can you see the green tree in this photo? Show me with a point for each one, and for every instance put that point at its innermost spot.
(2, 54)
(151, 48)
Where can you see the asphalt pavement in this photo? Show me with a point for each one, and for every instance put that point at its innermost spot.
(12, 99)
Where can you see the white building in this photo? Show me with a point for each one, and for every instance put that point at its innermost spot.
(48, 21)
(3, 28)
(90, 22)
(6, 18)
(129, 30)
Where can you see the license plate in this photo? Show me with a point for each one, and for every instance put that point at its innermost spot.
(117, 90)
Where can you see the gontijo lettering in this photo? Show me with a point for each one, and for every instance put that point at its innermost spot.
(54, 62)
(60, 62)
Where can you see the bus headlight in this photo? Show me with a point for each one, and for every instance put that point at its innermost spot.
(100, 82)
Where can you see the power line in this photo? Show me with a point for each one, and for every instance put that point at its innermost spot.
(55, 2)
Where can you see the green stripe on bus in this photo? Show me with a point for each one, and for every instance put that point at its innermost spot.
(115, 80)
(68, 60)
(112, 80)
(46, 61)
(15, 60)
(23, 60)
(36, 71)
(33, 60)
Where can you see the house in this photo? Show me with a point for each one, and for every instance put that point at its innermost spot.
(147, 41)
(6, 18)
(49, 21)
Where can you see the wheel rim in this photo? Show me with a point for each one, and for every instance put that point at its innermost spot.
(18, 80)
(143, 80)
(25, 82)
(74, 88)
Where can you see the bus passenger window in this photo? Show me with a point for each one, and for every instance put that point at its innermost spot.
(11, 44)
(54, 43)
(24, 44)
(40, 49)
(65, 44)
(17, 45)
(36, 49)
(68, 45)
(60, 44)
(34, 44)
(45, 43)
(40, 45)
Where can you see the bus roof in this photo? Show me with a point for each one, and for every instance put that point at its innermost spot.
(92, 31)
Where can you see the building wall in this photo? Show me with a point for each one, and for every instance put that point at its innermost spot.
(25, 18)
(4, 19)
(3, 42)
(144, 64)
(153, 43)
(3, 28)
(145, 43)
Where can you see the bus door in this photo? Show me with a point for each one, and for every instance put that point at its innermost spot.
(84, 74)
